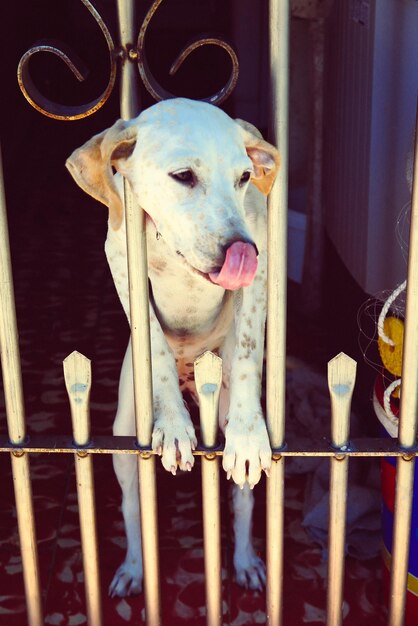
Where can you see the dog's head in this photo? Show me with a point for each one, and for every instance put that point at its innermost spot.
(188, 165)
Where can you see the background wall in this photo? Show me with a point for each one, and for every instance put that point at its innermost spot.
(371, 106)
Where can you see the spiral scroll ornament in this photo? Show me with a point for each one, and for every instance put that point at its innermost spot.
(129, 53)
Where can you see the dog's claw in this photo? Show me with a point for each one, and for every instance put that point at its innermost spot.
(174, 440)
(251, 572)
(267, 472)
(127, 581)
(247, 448)
(188, 466)
(228, 474)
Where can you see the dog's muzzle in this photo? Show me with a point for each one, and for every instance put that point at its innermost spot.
(239, 268)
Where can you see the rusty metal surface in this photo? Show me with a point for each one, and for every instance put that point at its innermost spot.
(52, 109)
(156, 90)
(112, 444)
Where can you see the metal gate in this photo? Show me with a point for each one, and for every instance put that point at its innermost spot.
(341, 373)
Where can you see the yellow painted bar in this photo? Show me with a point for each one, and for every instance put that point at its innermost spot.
(141, 347)
(77, 374)
(208, 377)
(407, 422)
(15, 411)
(341, 379)
(279, 17)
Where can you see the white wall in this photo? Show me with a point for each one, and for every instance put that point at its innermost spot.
(371, 103)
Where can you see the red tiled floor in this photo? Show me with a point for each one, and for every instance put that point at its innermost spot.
(61, 275)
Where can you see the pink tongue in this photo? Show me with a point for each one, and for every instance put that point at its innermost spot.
(239, 267)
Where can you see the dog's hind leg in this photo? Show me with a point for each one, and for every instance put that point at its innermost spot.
(128, 577)
(249, 568)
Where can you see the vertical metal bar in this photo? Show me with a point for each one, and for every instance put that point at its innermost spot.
(13, 392)
(77, 374)
(279, 17)
(277, 223)
(129, 88)
(141, 346)
(141, 357)
(274, 541)
(401, 540)
(341, 379)
(405, 467)
(208, 378)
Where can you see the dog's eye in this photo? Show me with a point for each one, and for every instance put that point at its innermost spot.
(185, 177)
(244, 178)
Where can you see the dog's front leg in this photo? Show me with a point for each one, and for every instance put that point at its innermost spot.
(247, 448)
(173, 437)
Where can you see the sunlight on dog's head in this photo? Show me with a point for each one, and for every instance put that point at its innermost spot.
(188, 165)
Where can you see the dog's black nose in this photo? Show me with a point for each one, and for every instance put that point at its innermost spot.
(241, 240)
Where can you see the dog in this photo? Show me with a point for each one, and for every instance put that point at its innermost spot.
(202, 179)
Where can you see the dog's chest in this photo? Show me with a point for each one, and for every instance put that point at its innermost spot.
(187, 347)
(192, 325)
(194, 316)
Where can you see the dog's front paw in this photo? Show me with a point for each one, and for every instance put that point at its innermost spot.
(174, 440)
(247, 448)
(127, 580)
(250, 570)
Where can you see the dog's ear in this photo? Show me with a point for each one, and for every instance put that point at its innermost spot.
(265, 157)
(91, 166)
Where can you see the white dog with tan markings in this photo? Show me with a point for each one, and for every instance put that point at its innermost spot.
(201, 179)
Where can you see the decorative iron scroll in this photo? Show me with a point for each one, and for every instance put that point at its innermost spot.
(129, 53)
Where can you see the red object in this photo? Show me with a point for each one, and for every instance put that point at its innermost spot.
(388, 484)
